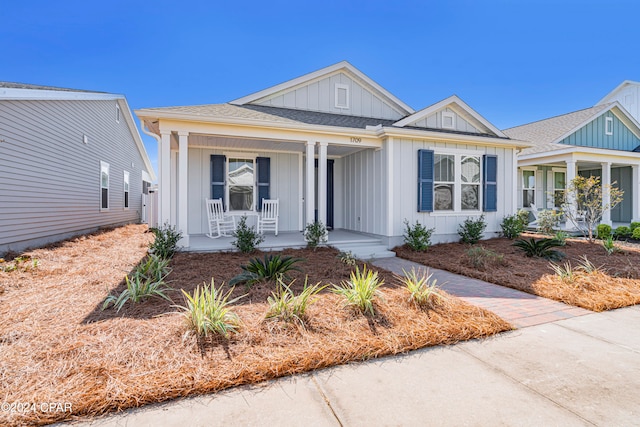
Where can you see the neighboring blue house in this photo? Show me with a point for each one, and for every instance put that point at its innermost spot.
(602, 141)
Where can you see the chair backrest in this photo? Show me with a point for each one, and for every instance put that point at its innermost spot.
(534, 210)
(270, 208)
(215, 211)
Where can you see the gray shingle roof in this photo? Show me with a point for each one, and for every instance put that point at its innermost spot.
(545, 133)
(13, 85)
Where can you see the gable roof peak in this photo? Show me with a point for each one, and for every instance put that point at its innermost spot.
(606, 98)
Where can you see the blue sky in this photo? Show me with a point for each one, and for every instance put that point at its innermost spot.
(512, 61)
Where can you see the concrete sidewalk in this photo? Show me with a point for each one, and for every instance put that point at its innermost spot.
(579, 371)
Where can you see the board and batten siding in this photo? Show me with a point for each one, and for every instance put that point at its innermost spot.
(434, 121)
(320, 96)
(283, 186)
(593, 135)
(405, 189)
(50, 179)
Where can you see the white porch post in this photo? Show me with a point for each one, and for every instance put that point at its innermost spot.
(183, 157)
(606, 196)
(571, 175)
(322, 182)
(635, 188)
(174, 189)
(310, 195)
(391, 202)
(164, 184)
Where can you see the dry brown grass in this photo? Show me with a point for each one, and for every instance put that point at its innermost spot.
(616, 285)
(56, 346)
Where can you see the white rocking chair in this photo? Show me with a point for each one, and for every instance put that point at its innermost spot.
(268, 219)
(219, 224)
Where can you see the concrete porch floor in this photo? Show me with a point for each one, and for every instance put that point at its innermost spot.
(284, 239)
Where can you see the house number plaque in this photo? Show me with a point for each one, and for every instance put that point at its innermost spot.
(356, 140)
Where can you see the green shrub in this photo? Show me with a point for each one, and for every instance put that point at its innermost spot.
(417, 237)
(480, 258)
(422, 289)
(622, 232)
(286, 306)
(512, 226)
(548, 221)
(146, 281)
(471, 230)
(609, 245)
(539, 248)
(247, 239)
(360, 290)
(315, 234)
(603, 231)
(636, 234)
(561, 236)
(166, 242)
(274, 267)
(347, 257)
(633, 226)
(208, 311)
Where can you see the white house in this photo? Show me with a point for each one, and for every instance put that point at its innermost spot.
(336, 146)
(602, 141)
(71, 162)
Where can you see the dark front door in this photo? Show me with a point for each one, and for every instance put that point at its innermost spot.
(330, 162)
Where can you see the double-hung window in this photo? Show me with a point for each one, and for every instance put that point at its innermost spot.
(470, 183)
(444, 169)
(126, 190)
(104, 185)
(528, 188)
(241, 184)
(559, 182)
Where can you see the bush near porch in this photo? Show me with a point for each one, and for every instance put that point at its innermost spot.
(57, 345)
(615, 285)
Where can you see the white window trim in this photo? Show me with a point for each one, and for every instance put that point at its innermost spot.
(608, 125)
(337, 88)
(126, 183)
(104, 165)
(117, 113)
(522, 187)
(457, 183)
(450, 115)
(246, 156)
(553, 182)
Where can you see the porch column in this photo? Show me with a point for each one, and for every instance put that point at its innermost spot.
(173, 213)
(310, 195)
(635, 189)
(183, 215)
(571, 174)
(322, 182)
(164, 184)
(606, 196)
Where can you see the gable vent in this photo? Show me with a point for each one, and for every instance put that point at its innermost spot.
(342, 96)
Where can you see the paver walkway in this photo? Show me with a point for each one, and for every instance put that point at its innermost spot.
(518, 308)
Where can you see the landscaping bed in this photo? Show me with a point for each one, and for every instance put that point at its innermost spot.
(58, 346)
(615, 284)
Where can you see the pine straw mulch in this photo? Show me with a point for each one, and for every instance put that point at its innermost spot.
(615, 285)
(56, 345)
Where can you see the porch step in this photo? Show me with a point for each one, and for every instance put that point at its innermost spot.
(366, 250)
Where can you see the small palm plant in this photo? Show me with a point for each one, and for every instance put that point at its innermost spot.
(422, 288)
(361, 289)
(540, 248)
(147, 280)
(274, 267)
(286, 306)
(208, 311)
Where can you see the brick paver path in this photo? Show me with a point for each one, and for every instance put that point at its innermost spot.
(518, 308)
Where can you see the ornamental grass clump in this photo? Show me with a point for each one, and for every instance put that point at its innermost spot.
(361, 290)
(273, 267)
(423, 290)
(286, 306)
(208, 311)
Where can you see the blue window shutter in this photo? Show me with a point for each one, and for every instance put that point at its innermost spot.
(490, 183)
(425, 180)
(217, 176)
(264, 179)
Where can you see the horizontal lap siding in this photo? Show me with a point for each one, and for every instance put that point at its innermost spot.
(50, 179)
(405, 189)
(284, 186)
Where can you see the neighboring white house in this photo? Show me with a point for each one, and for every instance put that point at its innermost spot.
(602, 141)
(71, 162)
(336, 146)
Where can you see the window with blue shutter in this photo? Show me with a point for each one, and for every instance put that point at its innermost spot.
(425, 180)
(218, 171)
(264, 179)
(490, 183)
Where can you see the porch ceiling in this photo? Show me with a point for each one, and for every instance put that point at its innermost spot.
(253, 144)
